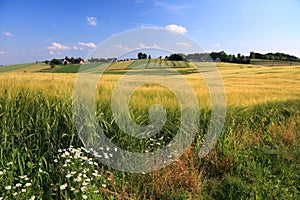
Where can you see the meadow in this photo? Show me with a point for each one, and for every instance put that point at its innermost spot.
(256, 157)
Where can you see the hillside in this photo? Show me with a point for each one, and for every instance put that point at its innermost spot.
(26, 67)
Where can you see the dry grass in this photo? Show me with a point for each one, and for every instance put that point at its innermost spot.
(245, 85)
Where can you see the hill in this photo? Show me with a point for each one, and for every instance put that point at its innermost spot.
(26, 67)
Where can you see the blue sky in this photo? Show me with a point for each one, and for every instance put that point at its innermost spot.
(37, 30)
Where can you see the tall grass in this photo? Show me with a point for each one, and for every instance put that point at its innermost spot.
(257, 155)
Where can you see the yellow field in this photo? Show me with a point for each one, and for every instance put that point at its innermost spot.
(244, 84)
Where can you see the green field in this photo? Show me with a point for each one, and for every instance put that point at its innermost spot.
(256, 157)
(273, 62)
(28, 67)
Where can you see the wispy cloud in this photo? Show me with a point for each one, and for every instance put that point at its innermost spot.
(144, 46)
(58, 46)
(169, 6)
(122, 47)
(183, 44)
(138, 1)
(53, 53)
(176, 29)
(92, 21)
(2, 52)
(7, 34)
(89, 44)
(217, 45)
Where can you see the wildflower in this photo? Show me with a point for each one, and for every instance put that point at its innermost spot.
(64, 186)
(83, 189)
(27, 184)
(23, 177)
(73, 172)
(8, 187)
(18, 184)
(68, 175)
(85, 183)
(68, 160)
(84, 158)
(78, 179)
(10, 163)
(1, 172)
(23, 190)
(32, 198)
(55, 160)
(96, 191)
(40, 170)
(95, 174)
(72, 189)
(15, 193)
(104, 185)
(105, 155)
(84, 197)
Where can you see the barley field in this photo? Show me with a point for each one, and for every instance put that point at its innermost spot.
(256, 157)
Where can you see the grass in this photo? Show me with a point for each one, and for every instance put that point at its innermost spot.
(28, 67)
(273, 62)
(256, 157)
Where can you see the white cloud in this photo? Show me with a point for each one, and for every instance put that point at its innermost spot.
(169, 6)
(176, 29)
(2, 52)
(144, 46)
(122, 47)
(92, 21)
(75, 48)
(53, 53)
(138, 1)
(7, 34)
(58, 46)
(89, 44)
(184, 44)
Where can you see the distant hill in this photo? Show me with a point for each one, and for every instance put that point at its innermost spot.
(27, 67)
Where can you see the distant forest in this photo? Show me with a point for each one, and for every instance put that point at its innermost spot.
(195, 57)
(231, 58)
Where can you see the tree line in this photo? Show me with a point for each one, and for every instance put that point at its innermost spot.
(274, 56)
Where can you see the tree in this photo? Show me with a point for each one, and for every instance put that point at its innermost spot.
(54, 62)
(252, 55)
(72, 60)
(149, 57)
(142, 55)
(175, 57)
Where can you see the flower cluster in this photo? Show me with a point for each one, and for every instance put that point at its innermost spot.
(19, 187)
(80, 175)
